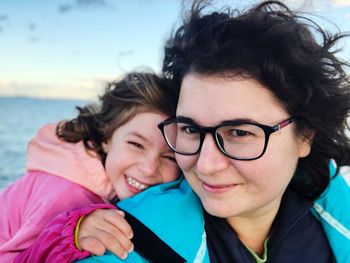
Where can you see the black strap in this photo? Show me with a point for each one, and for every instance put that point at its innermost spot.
(149, 245)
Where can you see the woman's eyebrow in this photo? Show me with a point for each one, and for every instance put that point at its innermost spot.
(238, 120)
(184, 119)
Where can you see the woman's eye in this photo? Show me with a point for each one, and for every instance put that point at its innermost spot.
(239, 133)
(136, 145)
(189, 129)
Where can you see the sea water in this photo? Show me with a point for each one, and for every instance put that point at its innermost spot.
(20, 119)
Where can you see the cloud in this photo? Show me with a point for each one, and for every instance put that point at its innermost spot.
(323, 4)
(81, 88)
(13, 88)
(81, 4)
(308, 5)
(340, 3)
(93, 3)
(122, 56)
(88, 82)
(32, 26)
(34, 39)
(64, 8)
(3, 17)
(316, 5)
(126, 53)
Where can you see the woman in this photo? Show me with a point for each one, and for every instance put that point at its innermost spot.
(262, 111)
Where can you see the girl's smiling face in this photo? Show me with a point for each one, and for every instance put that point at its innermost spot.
(231, 188)
(138, 157)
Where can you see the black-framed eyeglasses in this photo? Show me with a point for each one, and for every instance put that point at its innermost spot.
(239, 140)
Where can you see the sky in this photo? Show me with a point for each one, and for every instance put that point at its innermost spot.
(71, 48)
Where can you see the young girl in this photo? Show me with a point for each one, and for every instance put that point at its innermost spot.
(109, 152)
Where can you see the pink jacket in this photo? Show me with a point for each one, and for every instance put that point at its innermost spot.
(60, 177)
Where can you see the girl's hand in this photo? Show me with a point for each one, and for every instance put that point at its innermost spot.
(106, 229)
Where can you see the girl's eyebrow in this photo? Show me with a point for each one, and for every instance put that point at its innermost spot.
(147, 141)
(168, 151)
(140, 136)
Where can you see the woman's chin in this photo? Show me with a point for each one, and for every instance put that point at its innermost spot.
(217, 209)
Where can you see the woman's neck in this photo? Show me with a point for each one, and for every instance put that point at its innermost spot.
(253, 230)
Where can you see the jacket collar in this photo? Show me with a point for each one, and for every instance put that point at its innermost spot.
(292, 209)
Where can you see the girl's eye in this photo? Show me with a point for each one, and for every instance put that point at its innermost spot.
(171, 158)
(136, 145)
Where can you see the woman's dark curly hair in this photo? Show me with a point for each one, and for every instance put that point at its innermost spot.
(289, 54)
(122, 100)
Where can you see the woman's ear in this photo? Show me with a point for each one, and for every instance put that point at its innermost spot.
(305, 142)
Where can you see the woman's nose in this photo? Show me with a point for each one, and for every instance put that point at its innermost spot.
(211, 159)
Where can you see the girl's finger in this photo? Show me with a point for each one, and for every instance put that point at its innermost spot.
(120, 247)
(119, 222)
(93, 245)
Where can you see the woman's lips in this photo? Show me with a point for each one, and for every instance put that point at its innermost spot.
(216, 188)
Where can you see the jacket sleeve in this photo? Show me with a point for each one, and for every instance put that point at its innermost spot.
(30, 203)
(56, 242)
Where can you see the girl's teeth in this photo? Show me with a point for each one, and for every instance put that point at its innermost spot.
(136, 184)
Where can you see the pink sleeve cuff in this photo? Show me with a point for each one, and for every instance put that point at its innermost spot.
(56, 242)
(67, 247)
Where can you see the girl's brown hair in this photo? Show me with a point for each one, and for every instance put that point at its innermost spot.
(122, 100)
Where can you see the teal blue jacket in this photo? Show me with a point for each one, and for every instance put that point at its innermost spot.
(332, 208)
(174, 213)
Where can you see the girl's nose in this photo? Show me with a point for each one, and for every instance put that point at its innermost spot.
(149, 166)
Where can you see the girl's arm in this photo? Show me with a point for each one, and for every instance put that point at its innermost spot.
(56, 243)
(30, 203)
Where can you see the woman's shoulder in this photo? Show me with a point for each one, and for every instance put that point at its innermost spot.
(337, 193)
(332, 210)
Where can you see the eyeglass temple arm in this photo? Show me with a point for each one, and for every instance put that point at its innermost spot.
(284, 123)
